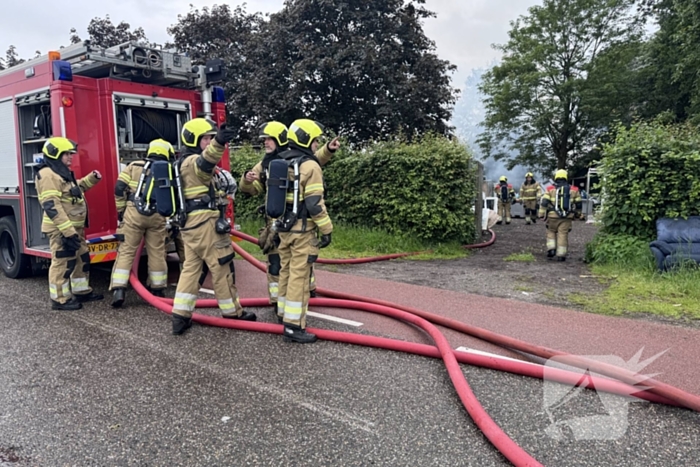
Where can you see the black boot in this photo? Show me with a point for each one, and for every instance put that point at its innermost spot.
(534, 220)
(551, 253)
(561, 258)
(118, 296)
(275, 310)
(89, 297)
(245, 316)
(70, 305)
(158, 293)
(294, 333)
(312, 293)
(181, 324)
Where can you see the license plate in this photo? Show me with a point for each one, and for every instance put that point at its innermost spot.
(105, 247)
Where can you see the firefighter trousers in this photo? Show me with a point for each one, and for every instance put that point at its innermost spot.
(558, 234)
(69, 273)
(138, 227)
(504, 211)
(530, 207)
(274, 264)
(204, 246)
(298, 251)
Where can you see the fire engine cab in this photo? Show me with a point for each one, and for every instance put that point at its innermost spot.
(112, 102)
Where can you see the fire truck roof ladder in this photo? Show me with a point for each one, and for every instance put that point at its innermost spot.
(131, 61)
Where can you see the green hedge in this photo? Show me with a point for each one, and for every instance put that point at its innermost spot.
(622, 250)
(426, 189)
(242, 160)
(650, 170)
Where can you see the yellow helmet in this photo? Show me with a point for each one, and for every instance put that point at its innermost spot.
(58, 145)
(275, 130)
(194, 129)
(304, 131)
(529, 174)
(160, 147)
(503, 179)
(561, 174)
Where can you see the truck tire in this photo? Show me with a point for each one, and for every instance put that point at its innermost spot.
(12, 262)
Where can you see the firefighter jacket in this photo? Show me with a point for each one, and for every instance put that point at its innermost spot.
(63, 201)
(312, 208)
(198, 188)
(507, 195)
(257, 187)
(531, 192)
(555, 204)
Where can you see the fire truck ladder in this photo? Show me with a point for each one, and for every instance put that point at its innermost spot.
(131, 61)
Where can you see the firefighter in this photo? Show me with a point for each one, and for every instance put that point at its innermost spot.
(65, 218)
(299, 227)
(560, 205)
(205, 232)
(274, 136)
(530, 194)
(506, 197)
(138, 224)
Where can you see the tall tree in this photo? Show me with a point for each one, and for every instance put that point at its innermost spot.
(667, 83)
(562, 74)
(364, 68)
(103, 33)
(228, 34)
(12, 58)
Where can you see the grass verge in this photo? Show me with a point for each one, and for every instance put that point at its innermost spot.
(525, 257)
(358, 242)
(643, 290)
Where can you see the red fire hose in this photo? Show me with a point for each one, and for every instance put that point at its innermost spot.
(372, 259)
(682, 398)
(511, 450)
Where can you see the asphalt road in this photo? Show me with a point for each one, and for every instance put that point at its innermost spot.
(114, 388)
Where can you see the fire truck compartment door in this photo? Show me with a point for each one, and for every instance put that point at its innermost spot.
(9, 174)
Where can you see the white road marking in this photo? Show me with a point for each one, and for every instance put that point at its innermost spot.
(488, 354)
(349, 322)
(314, 314)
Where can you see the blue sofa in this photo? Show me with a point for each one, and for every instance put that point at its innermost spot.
(677, 240)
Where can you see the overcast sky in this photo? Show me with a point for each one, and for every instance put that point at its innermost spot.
(463, 30)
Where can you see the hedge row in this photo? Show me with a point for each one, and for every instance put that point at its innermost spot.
(426, 189)
(650, 170)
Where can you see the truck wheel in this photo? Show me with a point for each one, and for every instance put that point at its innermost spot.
(12, 262)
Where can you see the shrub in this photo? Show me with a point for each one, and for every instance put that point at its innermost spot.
(619, 249)
(242, 160)
(425, 189)
(650, 170)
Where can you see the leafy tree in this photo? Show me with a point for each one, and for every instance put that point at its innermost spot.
(667, 85)
(222, 33)
(550, 98)
(12, 58)
(364, 68)
(103, 33)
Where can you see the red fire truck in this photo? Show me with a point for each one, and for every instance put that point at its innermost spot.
(112, 102)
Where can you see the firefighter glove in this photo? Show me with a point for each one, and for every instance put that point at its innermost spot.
(266, 240)
(325, 240)
(224, 135)
(71, 243)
